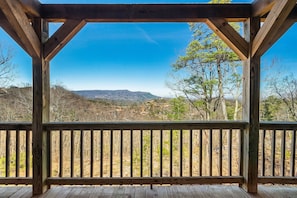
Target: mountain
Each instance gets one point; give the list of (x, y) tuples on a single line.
[(117, 95)]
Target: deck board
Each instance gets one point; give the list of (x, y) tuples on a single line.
[(175, 191)]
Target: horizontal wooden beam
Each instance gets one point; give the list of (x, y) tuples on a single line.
[(277, 180), (230, 36), (14, 13), (261, 7), (144, 12), (31, 7), (274, 20), (61, 37), (16, 180), (146, 180)]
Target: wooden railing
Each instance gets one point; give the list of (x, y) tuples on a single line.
[(15, 153), (277, 153), (148, 153)]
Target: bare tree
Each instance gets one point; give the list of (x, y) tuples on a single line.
[(286, 89), (6, 66)]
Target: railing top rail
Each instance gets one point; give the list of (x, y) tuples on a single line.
[(16, 126), (278, 125), (146, 125)]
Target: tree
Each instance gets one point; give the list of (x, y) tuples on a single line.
[(286, 89), (205, 69), (6, 67), (178, 108)]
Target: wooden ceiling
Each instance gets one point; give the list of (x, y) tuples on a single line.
[(16, 19)]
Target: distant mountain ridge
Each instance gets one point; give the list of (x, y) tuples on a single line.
[(117, 95)]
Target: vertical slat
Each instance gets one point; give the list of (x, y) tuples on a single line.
[(283, 153), (191, 153), (171, 152), (7, 162), (101, 153), (17, 153), (141, 153), (92, 154), (181, 153), (230, 151), (161, 153), (200, 152), (111, 153), (221, 153), (121, 153), (151, 154), (263, 152), (293, 153), (49, 153), (81, 153), (61, 154), (27, 153), (131, 153), (273, 153), (72, 153), (241, 156), (210, 152)]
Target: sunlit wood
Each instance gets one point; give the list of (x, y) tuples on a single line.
[(61, 37), (261, 7), (273, 22), (14, 13), (32, 7), (230, 36)]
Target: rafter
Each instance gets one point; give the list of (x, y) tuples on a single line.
[(273, 22), (32, 7), (14, 13), (230, 36), (9, 30), (261, 7), (281, 31), (144, 12), (61, 37)]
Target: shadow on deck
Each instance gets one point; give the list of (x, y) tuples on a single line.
[(179, 191)]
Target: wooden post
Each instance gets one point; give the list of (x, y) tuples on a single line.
[(251, 99), (41, 93)]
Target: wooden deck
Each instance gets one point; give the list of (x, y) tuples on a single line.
[(185, 191)]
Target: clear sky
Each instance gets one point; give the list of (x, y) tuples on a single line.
[(134, 56)]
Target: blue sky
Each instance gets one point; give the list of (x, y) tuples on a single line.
[(134, 56)]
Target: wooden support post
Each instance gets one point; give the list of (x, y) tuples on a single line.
[(251, 99), (41, 93)]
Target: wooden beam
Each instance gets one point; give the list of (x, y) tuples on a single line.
[(261, 7), (144, 12), (230, 36), (273, 22), (250, 109), (14, 13), (31, 7), (61, 37), (281, 31), (41, 95)]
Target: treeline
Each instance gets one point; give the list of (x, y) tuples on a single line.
[(65, 106)]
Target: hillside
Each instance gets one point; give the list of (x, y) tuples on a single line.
[(117, 95)]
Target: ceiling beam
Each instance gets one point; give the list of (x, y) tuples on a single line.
[(14, 13), (230, 36), (261, 7), (281, 31), (273, 22), (31, 7), (61, 37), (9, 30), (144, 12)]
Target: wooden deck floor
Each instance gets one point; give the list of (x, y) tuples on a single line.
[(186, 191)]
